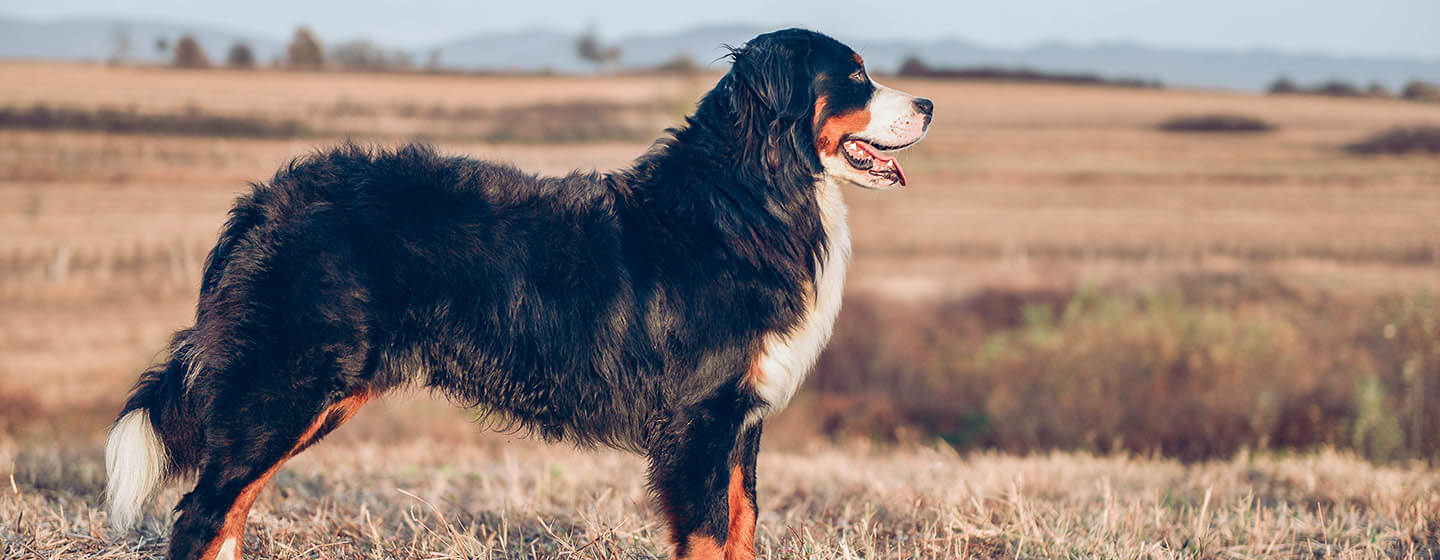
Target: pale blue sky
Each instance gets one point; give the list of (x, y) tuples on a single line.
[(1373, 27)]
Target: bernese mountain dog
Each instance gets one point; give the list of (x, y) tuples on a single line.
[(666, 308)]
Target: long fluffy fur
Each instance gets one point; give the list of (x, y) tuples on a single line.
[(633, 309), (135, 464)]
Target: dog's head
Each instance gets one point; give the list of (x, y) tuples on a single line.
[(806, 99)]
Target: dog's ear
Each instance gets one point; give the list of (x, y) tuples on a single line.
[(772, 93)]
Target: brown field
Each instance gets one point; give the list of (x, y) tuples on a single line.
[(1230, 341)]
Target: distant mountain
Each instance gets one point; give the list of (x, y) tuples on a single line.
[(554, 50), (1245, 70), (548, 49), (95, 38)]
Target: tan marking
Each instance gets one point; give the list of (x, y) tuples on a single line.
[(226, 545), (857, 58), (701, 548), (827, 140), (820, 103), (756, 374), (740, 543)]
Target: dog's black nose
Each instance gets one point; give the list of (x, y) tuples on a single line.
[(925, 106)]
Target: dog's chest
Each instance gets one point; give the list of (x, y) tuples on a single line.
[(787, 357)]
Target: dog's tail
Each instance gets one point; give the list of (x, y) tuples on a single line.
[(158, 433), (150, 441)]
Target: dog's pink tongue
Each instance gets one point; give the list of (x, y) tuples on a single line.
[(883, 162)]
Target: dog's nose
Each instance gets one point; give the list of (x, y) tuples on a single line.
[(925, 106)]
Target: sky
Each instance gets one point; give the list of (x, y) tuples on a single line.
[(1356, 28)]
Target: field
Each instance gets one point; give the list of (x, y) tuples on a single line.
[(1073, 335)]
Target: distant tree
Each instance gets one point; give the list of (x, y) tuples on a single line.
[(1417, 90), (162, 45), (304, 52), (682, 64), (432, 62), (1377, 89), (188, 53), (240, 56), (590, 49), (1283, 85), (1338, 88), (363, 54), (119, 44), (913, 66)]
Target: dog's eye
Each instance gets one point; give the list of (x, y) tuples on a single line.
[(859, 75)]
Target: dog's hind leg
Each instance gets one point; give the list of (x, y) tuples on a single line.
[(740, 540), (253, 435), (702, 469)]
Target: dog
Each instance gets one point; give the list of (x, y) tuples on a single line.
[(666, 308)]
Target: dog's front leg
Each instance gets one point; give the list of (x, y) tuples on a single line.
[(702, 469)]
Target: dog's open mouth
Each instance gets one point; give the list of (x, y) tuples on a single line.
[(870, 158)]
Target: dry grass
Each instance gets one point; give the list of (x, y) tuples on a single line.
[(437, 499), (1021, 194)]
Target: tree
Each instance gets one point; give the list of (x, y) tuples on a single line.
[(913, 66), (1283, 85), (363, 54), (304, 51), (682, 64), (590, 49), (119, 44), (1338, 88), (1417, 90), (240, 56), (188, 53)]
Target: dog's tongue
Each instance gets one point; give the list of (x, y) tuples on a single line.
[(883, 164)]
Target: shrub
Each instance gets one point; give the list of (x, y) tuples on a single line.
[(1216, 123), (1282, 85), (362, 54), (240, 57), (1404, 140), (1201, 369), (191, 122), (681, 64), (1417, 90), (304, 51), (1338, 88), (188, 54), (1334, 88), (914, 67)]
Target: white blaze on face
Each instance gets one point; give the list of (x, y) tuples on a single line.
[(894, 119)]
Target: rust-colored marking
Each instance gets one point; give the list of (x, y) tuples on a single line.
[(756, 375), (234, 526), (831, 130), (821, 102), (701, 548), (740, 543), (857, 58)]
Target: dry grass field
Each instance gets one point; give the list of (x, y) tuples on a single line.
[(1074, 335)]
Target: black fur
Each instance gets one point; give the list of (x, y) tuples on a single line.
[(620, 309)]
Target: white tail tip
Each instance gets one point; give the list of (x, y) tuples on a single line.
[(134, 465)]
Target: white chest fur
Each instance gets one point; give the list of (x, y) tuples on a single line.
[(787, 357)]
